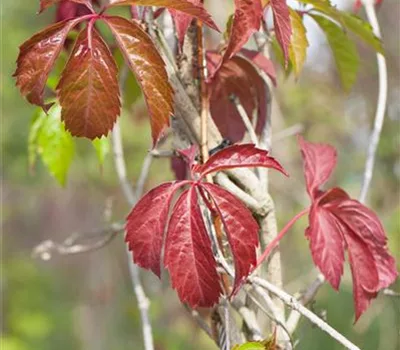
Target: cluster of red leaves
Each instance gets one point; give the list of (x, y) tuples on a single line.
[(188, 254), (336, 223), (88, 90)]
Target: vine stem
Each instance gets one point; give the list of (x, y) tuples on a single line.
[(381, 104), (295, 305), (280, 235)]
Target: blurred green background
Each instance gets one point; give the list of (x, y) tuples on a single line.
[(86, 302)]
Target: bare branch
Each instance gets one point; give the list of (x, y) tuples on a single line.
[(200, 321), (295, 305), (245, 119), (144, 173), (307, 297), (74, 244), (381, 104), (391, 293)]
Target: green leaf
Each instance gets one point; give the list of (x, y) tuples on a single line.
[(49, 139), (343, 49), (102, 147), (298, 42), (250, 346), (362, 29), (323, 6)]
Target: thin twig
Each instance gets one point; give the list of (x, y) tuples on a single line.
[(295, 305), (142, 300), (199, 320), (307, 297), (73, 244), (381, 104), (245, 119), (144, 173), (290, 131)]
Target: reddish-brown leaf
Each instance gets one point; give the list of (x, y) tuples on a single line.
[(37, 57), (189, 7), (88, 89), (238, 156), (240, 227), (282, 25), (246, 21), (188, 255), (146, 63), (44, 4), (146, 224), (319, 160), (236, 77)]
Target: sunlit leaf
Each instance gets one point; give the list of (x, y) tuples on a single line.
[(143, 59), (298, 42), (36, 59), (54, 145), (88, 89), (102, 148), (343, 49), (363, 29)]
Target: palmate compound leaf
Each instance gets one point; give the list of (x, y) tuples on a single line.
[(146, 63), (337, 222), (37, 57), (189, 7), (188, 254), (88, 89), (282, 25), (246, 21)]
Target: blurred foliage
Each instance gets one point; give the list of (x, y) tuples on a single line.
[(86, 302)]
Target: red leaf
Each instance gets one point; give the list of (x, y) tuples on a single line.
[(246, 21), (188, 7), (180, 165), (144, 60), (146, 224), (44, 4), (337, 221), (364, 223), (188, 254), (240, 227), (364, 273), (182, 21), (319, 160), (282, 25), (36, 59), (238, 156), (88, 89), (236, 77), (326, 239)]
